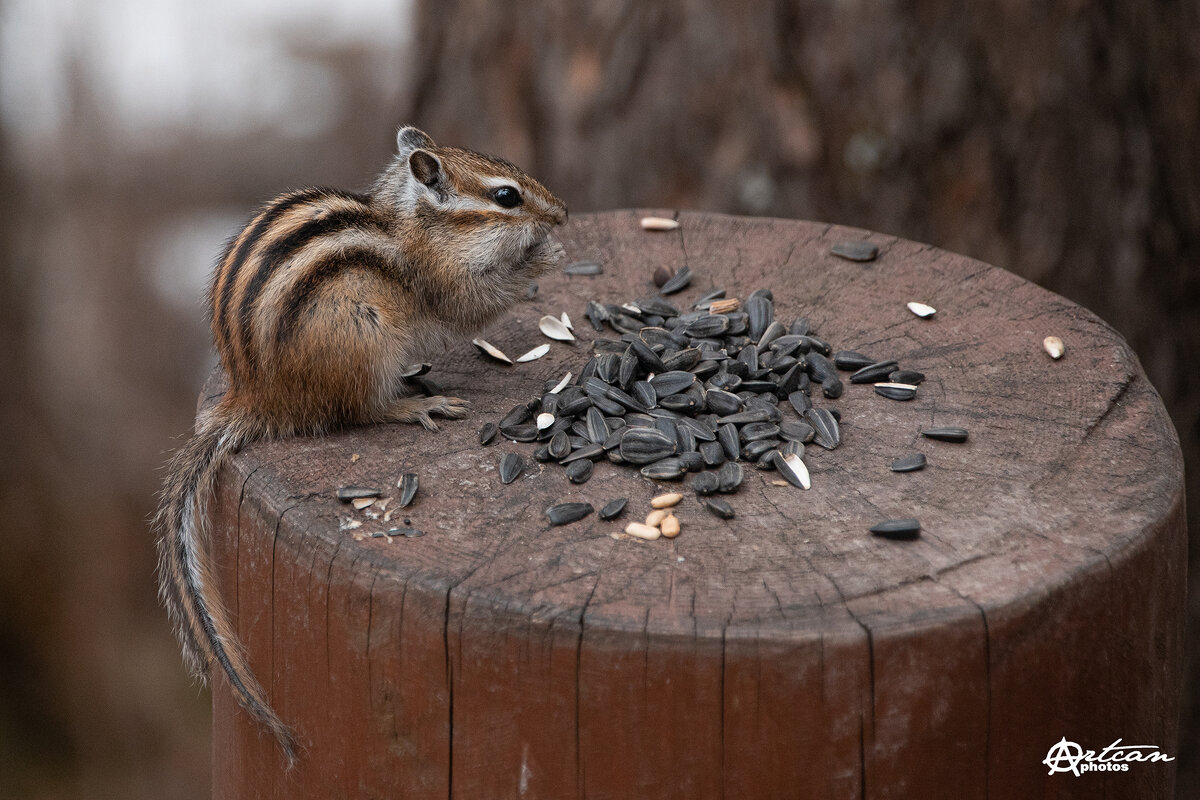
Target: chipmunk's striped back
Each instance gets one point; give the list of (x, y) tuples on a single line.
[(318, 306)]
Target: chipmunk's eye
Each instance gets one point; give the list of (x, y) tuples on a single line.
[(506, 196)]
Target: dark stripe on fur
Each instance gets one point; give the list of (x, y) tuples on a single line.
[(304, 290)]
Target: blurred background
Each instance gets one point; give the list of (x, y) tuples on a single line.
[(1060, 140)]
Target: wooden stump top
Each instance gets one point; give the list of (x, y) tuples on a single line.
[(1065, 500)]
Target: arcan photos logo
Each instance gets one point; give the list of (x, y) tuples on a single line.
[(1070, 757)]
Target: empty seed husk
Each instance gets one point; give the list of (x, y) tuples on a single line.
[(544, 421), (719, 507), (583, 268), (1054, 347), (415, 370), (873, 373), (897, 529), (360, 503), (792, 468), (350, 493), (535, 353), (857, 250), (909, 463), (896, 391), (827, 432), (491, 350), (659, 224), (511, 465), (407, 485), (946, 434), (487, 434), (555, 329), (612, 509), (679, 281), (921, 310), (566, 513)]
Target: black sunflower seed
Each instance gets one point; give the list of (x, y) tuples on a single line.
[(672, 382), (580, 471), (759, 430), (566, 513), (612, 508), (851, 360), (596, 314), (896, 391), (511, 465), (897, 529), (408, 489), (487, 434), (796, 431), (687, 358), (727, 435), (595, 426), (712, 453), (678, 281), (857, 250), (520, 433), (946, 434), (908, 376), (705, 483), (729, 477), (645, 445), (874, 373), (519, 414), (828, 434), (559, 445), (542, 454), (909, 463), (590, 451), (665, 469), (719, 507)]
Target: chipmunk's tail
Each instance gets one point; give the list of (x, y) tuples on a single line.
[(186, 581)]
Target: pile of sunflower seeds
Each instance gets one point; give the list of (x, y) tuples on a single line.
[(671, 391)]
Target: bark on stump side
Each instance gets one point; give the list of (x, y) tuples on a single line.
[(785, 653)]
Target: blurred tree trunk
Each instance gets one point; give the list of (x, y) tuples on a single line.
[(1058, 140)]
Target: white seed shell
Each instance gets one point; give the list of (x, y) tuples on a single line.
[(554, 328), (558, 387), (659, 224), (566, 321), (886, 385), (796, 465), (535, 353), (1054, 346), (921, 310), (362, 502), (544, 421), (491, 350)]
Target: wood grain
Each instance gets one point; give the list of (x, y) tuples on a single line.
[(785, 653)]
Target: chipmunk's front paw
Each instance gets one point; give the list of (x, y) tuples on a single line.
[(418, 409)]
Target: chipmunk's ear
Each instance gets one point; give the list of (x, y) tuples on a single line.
[(409, 138), (425, 167)]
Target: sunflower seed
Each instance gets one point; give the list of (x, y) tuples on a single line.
[(349, 493), (648, 532), (580, 471), (490, 349), (727, 435), (874, 372), (659, 224), (407, 485), (828, 434), (612, 508), (487, 433), (597, 428), (896, 391), (792, 468), (596, 314), (760, 313), (897, 529), (587, 451), (719, 507), (712, 453), (800, 401), (520, 433), (519, 414), (645, 445), (946, 434), (666, 469), (790, 448), (857, 250), (705, 483), (796, 431), (672, 382), (662, 275), (542, 454), (1054, 347), (555, 329), (510, 467), (559, 445), (724, 306), (755, 431), (921, 310), (566, 513), (906, 376), (678, 281), (583, 268), (535, 353), (753, 451), (566, 321), (909, 463), (729, 477), (667, 500)]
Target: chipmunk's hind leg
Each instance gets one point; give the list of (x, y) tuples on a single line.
[(418, 409)]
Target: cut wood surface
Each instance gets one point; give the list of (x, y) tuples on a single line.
[(784, 653)]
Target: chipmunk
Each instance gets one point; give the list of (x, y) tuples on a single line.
[(317, 306)]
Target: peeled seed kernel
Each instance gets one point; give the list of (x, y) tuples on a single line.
[(643, 531), (670, 526), (666, 500)]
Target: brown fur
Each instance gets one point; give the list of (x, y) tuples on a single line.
[(317, 306)]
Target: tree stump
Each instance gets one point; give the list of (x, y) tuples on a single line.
[(784, 653)]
